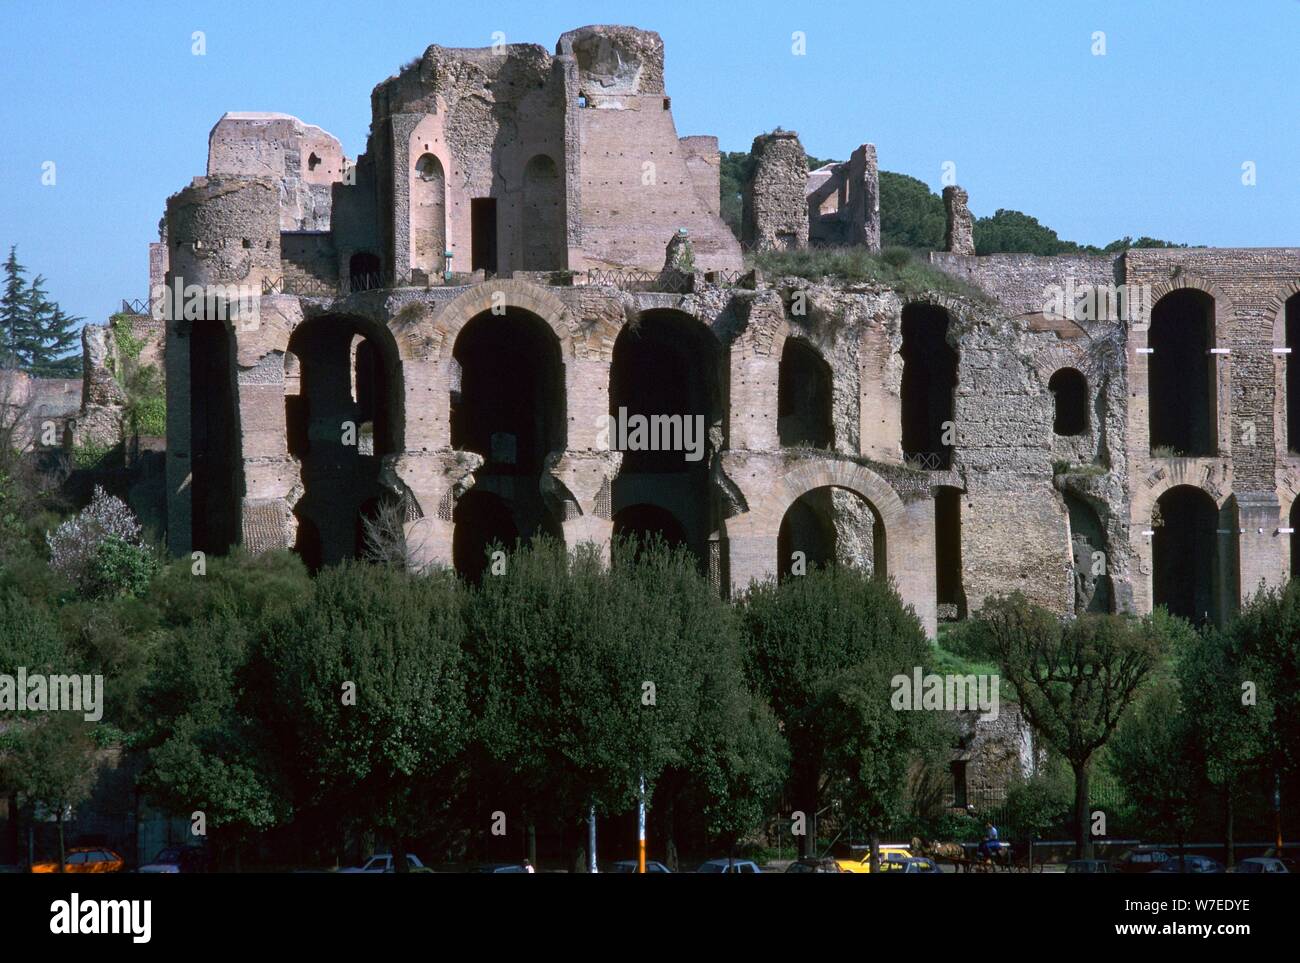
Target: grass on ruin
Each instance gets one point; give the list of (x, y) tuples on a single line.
[(897, 268)]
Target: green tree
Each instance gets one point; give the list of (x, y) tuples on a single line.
[(1074, 678), (1011, 231), (53, 766), (208, 744), (368, 697), (1265, 640), (35, 333), (822, 651), (1157, 757), (13, 311), (1218, 682), (911, 215)]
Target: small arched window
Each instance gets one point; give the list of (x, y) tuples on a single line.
[(1069, 388)]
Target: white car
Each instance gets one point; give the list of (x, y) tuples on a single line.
[(729, 866), (1261, 864), (383, 863)]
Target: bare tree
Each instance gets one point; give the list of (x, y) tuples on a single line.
[(384, 534)]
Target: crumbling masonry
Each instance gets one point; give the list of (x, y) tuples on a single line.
[(446, 322)]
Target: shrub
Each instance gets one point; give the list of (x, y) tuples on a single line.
[(74, 545), (120, 568)]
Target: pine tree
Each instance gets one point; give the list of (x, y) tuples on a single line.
[(36, 335), (13, 310)]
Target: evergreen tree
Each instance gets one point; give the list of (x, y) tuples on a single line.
[(36, 335), (13, 310)]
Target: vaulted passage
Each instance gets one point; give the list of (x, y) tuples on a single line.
[(1193, 565), (216, 469), (509, 408), (1182, 387), (543, 216), (664, 392), (929, 377), (950, 593), (830, 526), (346, 417), (1293, 374), (1069, 391), (804, 397)]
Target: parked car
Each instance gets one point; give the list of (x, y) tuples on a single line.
[(863, 864), (178, 859), (1190, 864), (1260, 864), (725, 865), (1089, 866), (383, 863), (84, 860), (912, 864), (500, 868), (814, 864), (1142, 859), (630, 866)]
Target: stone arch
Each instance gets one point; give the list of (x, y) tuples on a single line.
[(805, 394), (1194, 547), (428, 214), (500, 294), (813, 473), (1184, 397), (1070, 390), (1286, 383), (349, 439)]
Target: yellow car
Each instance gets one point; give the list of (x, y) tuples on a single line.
[(863, 865), (87, 860)]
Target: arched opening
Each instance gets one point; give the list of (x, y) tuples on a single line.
[(830, 526), (428, 215), (510, 408), (929, 378), (216, 467), (482, 519), (1193, 549), (1295, 538), (543, 216), (949, 591), (364, 272), (643, 523), (349, 416), (1090, 558), (1181, 398), (1069, 390), (803, 404), (664, 388), (1293, 373)]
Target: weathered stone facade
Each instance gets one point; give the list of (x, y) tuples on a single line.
[(961, 445), (775, 211)]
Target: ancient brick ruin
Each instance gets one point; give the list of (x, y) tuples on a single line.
[(477, 291)]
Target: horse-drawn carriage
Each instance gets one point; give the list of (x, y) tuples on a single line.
[(991, 856)]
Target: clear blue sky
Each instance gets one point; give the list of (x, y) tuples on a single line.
[(1148, 139)]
